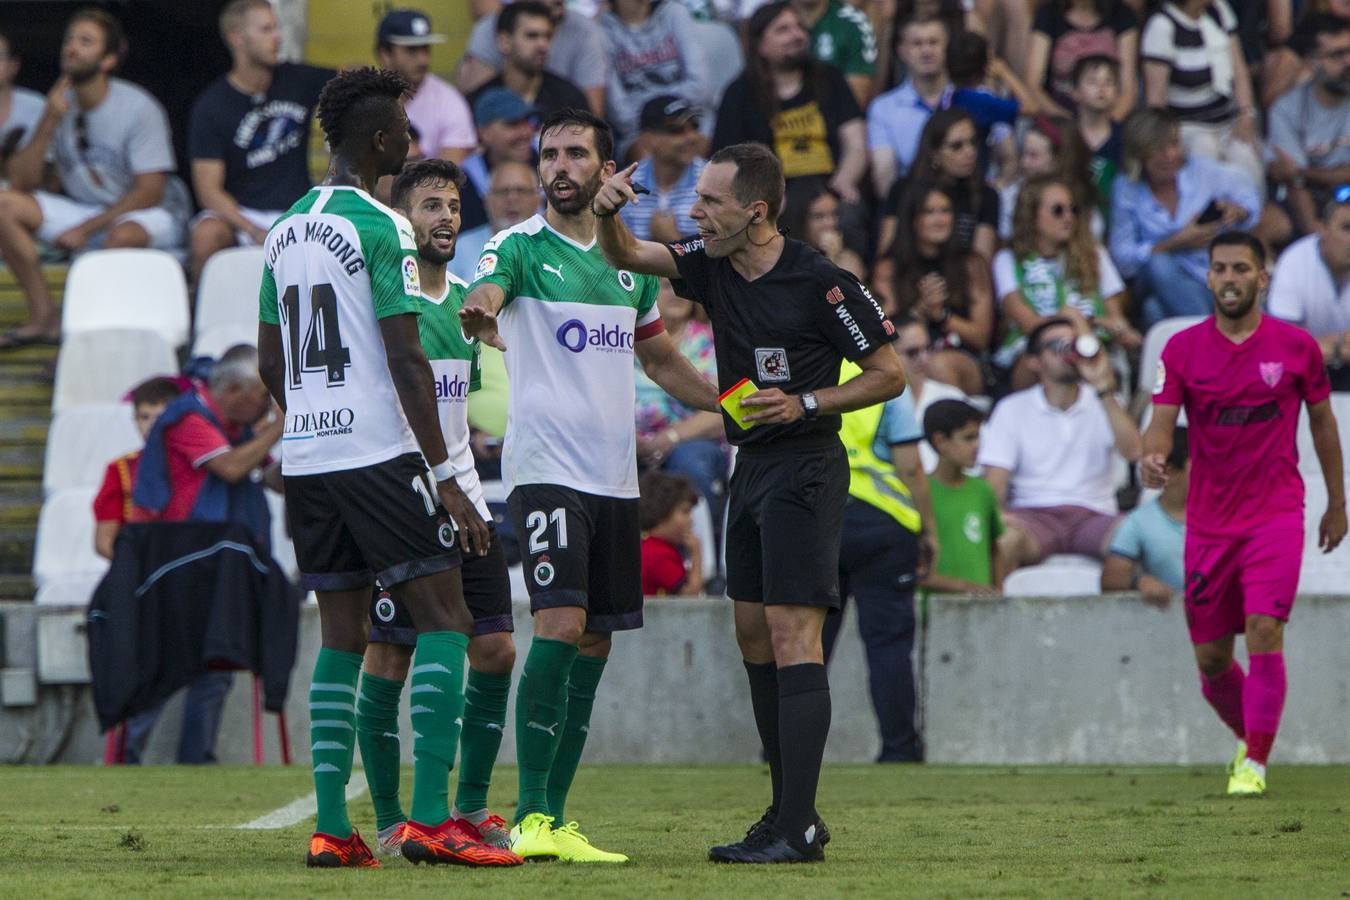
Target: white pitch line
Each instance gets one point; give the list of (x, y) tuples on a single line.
[(303, 808)]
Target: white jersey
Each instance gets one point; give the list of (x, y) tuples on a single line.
[(570, 322), (454, 363), (336, 263)]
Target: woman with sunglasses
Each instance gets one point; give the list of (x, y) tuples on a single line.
[(944, 287), (1055, 269), (1053, 146)]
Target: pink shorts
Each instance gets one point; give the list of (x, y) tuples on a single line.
[(1066, 529), (1231, 578)]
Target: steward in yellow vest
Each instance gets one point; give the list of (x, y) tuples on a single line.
[(879, 559)]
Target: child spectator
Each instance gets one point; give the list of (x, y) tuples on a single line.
[(966, 510), (1146, 553), (982, 84), (1096, 91), (672, 559), (112, 504)]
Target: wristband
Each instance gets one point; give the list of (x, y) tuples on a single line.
[(442, 472), (599, 215)]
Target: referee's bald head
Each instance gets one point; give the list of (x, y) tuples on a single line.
[(758, 178)]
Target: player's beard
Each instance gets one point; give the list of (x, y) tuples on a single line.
[(435, 255), (582, 195), (1243, 307)]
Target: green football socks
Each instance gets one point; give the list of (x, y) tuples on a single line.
[(541, 712), (581, 685), (377, 732), (481, 738), (437, 707), (332, 734)]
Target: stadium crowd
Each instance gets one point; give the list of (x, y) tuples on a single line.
[(1026, 188)]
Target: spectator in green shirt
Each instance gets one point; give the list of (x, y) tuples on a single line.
[(964, 506), (841, 35)]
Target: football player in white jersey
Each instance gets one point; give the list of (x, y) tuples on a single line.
[(340, 353), (570, 325)]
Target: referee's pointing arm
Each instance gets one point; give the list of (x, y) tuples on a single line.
[(620, 246)]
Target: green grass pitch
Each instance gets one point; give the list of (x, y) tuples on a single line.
[(923, 831)]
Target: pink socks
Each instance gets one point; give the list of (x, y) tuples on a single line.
[(1262, 703), (1224, 693)]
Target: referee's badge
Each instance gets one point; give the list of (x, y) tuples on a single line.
[(771, 364)]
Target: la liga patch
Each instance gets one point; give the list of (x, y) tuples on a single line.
[(411, 283), (487, 264)]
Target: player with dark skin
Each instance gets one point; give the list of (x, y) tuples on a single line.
[(436, 602)]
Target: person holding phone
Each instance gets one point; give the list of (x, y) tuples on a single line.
[(1165, 213)]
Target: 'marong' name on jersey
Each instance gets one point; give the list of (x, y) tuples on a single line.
[(336, 263), (323, 233)]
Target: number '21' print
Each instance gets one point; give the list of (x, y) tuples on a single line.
[(321, 349)]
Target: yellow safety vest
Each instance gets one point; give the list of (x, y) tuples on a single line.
[(872, 479)]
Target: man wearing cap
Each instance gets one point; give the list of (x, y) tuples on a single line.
[(576, 52), (506, 131), (438, 111), (524, 34), (670, 170)]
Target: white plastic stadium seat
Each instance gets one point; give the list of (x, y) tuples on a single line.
[(68, 590), (1154, 341), (494, 492), (1321, 573), (65, 538), (703, 530), (126, 289), (101, 366), (82, 441), (227, 297), (283, 551), (216, 340), (1058, 576)]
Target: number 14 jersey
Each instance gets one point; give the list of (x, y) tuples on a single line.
[(335, 264)]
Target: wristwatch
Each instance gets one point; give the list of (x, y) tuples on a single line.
[(810, 406)]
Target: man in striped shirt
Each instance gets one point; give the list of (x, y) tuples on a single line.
[(1193, 66), (671, 140)]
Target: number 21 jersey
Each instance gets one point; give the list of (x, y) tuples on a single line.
[(335, 264)]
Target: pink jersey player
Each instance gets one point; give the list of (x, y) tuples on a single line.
[(1241, 378)]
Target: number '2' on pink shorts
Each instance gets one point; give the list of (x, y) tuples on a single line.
[(1231, 578)]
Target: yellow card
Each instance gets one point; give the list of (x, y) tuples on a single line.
[(731, 402)]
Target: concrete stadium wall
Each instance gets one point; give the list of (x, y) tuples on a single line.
[(1029, 680)]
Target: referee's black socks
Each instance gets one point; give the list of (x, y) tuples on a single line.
[(803, 726), (764, 701)]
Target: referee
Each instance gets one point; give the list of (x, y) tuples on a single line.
[(784, 317)]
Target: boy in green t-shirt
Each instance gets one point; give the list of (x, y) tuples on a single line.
[(966, 510)]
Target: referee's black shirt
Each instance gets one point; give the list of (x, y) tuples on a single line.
[(788, 329)]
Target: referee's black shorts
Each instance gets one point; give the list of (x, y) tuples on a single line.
[(785, 511)]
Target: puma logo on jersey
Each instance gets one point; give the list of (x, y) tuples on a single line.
[(554, 270), (550, 730)]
